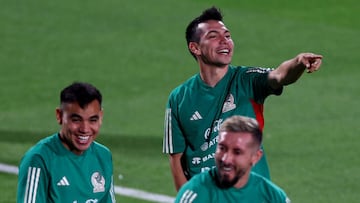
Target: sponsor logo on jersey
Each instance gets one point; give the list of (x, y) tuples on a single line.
[(208, 157), (215, 129), (63, 182), (196, 116), (199, 160), (229, 104), (98, 182), (196, 160), (204, 146)]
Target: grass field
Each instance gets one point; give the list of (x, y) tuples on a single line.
[(135, 52)]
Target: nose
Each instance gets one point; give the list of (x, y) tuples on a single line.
[(224, 39), (84, 127), (226, 158)]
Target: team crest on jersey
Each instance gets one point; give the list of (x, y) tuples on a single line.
[(229, 104), (98, 182)]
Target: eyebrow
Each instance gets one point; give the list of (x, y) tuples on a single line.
[(74, 115), (95, 116), (216, 31)]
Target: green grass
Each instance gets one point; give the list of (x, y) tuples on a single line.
[(135, 52)]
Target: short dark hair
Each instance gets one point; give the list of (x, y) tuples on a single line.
[(192, 34), (243, 124), (81, 93)]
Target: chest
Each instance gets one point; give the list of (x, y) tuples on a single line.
[(202, 112), (77, 179)]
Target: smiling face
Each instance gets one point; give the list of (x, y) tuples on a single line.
[(235, 155), (215, 47), (79, 126)]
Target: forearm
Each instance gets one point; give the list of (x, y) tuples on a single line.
[(286, 73), (291, 70), (177, 171)]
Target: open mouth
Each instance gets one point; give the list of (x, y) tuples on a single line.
[(83, 139), (223, 51), (226, 168)]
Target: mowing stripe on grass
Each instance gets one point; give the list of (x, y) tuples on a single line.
[(139, 194)]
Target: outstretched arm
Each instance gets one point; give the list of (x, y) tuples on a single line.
[(177, 171), (290, 71)]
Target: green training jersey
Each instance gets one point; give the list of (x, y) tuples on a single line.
[(195, 112), (202, 188), (49, 172)]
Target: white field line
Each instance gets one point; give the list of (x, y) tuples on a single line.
[(134, 193)]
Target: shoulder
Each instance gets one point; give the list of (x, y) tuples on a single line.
[(198, 181), (269, 189), (189, 83), (197, 189), (39, 154), (101, 148), (42, 147)]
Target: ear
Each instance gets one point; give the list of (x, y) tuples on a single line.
[(194, 48), (59, 115), (256, 156), (101, 115)]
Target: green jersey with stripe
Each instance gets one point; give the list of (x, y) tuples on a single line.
[(49, 172), (195, 112), (203, 188)]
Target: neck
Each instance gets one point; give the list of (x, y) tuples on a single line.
[(211, 75), (68, 145), (243, 180)]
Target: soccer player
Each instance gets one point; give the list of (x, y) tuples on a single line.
[(196, 108), (232, 180), (70, 166)]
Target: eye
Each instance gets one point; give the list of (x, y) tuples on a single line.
[(94, 120), (221, 148), (75, 119), (212, 36), (237, 152)]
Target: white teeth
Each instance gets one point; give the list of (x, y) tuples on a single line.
[(227, 168), (84, 137), (224, 51)]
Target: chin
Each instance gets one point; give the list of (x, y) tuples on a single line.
[(226, 182)]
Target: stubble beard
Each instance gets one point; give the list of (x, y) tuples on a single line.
[(225, 182)]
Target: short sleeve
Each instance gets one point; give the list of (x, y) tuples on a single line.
[(32, 180), (173, 141), (257, 83)]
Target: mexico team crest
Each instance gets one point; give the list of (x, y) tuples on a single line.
[(229, 104), (98, 182)]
